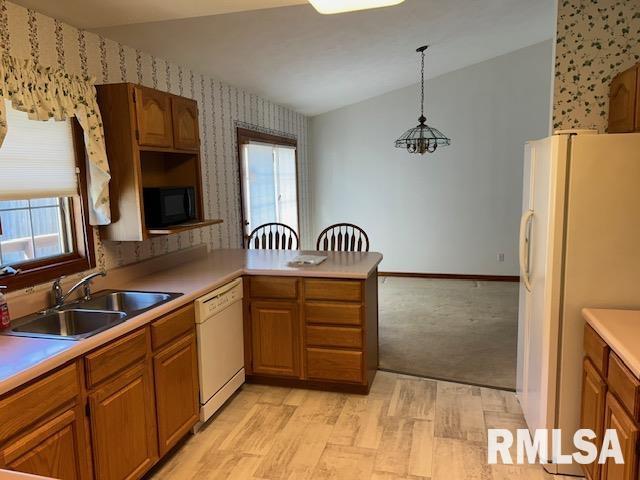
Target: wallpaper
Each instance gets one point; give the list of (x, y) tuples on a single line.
[(25, 33), (596, 39)]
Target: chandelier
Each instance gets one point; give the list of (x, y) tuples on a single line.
[(423, 138)]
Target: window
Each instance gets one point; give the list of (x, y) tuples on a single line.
[(43, 227), (269, 180)]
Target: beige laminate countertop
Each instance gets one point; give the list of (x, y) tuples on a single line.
[(621, 330), (22, 359)]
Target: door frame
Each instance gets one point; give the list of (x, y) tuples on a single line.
[(244, 136)]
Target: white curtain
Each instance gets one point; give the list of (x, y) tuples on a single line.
[(45, 93)]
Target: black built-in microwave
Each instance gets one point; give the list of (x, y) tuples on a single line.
[(166, 206)]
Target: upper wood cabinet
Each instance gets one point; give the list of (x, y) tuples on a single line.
[(152, 141), (154, 117), (624, 102), (186, 133)]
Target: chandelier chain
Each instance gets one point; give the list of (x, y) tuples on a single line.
[(422, 88)]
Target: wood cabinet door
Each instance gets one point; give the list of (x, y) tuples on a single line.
[(153, 114), (594, 390), (275, 338), (123, 425), (186, 134), (52, 450), (617, 418), (176, 381), (622, 102)]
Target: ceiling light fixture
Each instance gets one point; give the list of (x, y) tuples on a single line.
[(423, 138), (328, 7)]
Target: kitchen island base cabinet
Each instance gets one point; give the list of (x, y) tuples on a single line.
[(319, 333), (275, 338)]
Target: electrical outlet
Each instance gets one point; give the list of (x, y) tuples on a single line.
[(501, 257)]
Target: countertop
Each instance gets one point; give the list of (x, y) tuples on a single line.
[(22, 359), (621, 330)]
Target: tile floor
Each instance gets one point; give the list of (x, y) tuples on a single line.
[(406, 428)]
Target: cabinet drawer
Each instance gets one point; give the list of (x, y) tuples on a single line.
[(625, 385), (338, 365), (333, 313), (596, 349), (341, 290), (334, 336), (274, 287), (172, 326), (24, 408), (115, 357)]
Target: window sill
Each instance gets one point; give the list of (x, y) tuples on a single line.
[(35, 273)]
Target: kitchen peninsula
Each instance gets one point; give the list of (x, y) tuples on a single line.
[(312, 326)]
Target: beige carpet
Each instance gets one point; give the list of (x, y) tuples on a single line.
[(458, 330)]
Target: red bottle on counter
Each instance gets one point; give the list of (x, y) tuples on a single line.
[(5, 318)]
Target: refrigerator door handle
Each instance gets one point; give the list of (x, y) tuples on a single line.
[(524, 249)]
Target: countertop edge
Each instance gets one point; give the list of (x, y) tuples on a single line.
[(591, 317), (77, 349)]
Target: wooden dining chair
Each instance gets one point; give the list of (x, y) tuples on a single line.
[(343, 237), (273, 236)]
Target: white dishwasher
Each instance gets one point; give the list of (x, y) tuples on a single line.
[(220, 346)]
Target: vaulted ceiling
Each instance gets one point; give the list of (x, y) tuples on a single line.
[(289, 53)]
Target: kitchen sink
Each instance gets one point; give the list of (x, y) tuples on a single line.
[(85, 318), (126, 302), (72, 324)]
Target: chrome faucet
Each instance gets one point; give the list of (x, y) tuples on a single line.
[(58, 297)]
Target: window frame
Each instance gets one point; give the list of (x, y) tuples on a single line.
[(244, 136), (83, 257)]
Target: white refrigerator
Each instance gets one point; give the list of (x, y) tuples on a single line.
[(579, 247)]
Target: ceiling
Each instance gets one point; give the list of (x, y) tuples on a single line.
[(90, 14), (310, 62)]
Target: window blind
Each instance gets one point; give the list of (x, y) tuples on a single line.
[(37, 159)]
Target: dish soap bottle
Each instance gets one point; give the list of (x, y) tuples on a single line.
[(5, 318)]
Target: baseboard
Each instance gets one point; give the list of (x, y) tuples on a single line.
[(453, 276)]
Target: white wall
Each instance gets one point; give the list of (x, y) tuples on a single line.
[(448, 212)]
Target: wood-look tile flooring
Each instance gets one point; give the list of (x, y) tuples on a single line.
[(406, 428)]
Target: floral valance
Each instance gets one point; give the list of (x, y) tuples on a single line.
[(45, 93)]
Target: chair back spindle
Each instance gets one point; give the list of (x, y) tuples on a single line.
[(343, 237), (273, 236)]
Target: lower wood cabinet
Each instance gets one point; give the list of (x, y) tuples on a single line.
[(123, 425), (610, 400), (617, 418), (111, 414), (176, 385), (54, 449), (594, 391), (275, 338), (317, 332)]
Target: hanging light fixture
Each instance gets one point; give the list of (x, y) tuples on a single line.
[(423, 138), (329, 7)]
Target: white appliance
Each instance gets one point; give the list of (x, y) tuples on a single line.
[(579, 247), (220, 346)]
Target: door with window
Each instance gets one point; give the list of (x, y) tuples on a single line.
[(269, 178)]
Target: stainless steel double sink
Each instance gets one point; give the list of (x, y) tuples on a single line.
[(85, 318)]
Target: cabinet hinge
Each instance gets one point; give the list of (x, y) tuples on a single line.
[(138, 135), (87, 409), (133, 94)]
